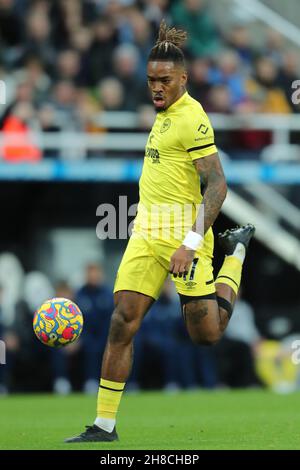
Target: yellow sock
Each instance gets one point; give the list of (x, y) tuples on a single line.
[(231, 273), (109, 397)]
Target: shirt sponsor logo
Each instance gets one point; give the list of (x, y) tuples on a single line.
[(203, 129), (153, 154)]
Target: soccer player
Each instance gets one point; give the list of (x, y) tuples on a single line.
[(172, 231)]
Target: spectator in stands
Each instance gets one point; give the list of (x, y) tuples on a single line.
[(192, 15), (111, 94), (18, 143), (95, 300), (11, 36), (239, 40), (199, 81), (228, 72), (11, 281), (37, 78), (48, 123), (101, 50), (155, 11), (146, 117), (88, 108), (23, 93), (274, 47), (38, 36), (81, 40), (264, 88), (64, 101), (126, 64), (30, 356), (141, 38), (69, 15), (219, 100), (69, 67)]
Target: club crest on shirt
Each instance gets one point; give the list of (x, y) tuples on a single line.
[(165, 125)]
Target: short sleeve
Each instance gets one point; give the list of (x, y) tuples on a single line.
[(197, 136)]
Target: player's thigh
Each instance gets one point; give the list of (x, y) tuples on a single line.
[(140, 271), (202, 319), (132, 305), (197, 293)]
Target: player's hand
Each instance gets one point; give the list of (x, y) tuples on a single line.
[(181, 261)]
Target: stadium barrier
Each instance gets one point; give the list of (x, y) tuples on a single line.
[(118, 170)]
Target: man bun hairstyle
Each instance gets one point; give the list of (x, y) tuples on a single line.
[(169, 45)]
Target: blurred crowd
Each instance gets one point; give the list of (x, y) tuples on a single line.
[(164, 358), (65, 61)]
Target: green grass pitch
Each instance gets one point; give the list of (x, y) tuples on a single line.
[(196, 420)]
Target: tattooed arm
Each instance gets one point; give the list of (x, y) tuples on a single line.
[(214, 193), (214, 189)]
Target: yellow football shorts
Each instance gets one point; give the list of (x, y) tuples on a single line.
[(145, 266)]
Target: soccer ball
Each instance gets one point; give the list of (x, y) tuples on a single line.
[(58, 322)]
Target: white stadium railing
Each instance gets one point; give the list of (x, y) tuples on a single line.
[(132, 139)]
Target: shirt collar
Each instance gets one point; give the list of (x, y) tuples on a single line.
[(178, 102)]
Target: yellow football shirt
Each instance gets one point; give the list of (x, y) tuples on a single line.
[(170, 185)]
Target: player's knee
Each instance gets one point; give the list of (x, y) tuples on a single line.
[(124, 323)]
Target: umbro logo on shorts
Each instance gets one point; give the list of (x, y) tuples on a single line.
[(190, 284)]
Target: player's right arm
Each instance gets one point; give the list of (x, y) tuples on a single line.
[(197, 137)]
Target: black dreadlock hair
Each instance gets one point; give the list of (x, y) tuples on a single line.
[(168, 45)]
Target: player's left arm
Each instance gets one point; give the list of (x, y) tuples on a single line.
[(214, 190), (197, 138)]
